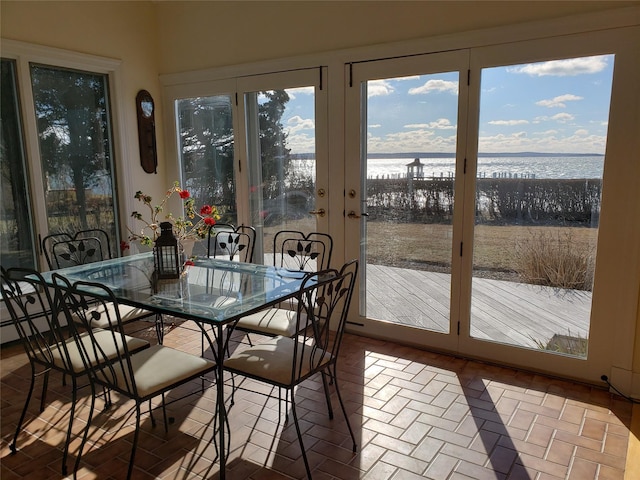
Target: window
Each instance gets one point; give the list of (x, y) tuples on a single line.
[(57, 149), (16, 227), (74, 139)]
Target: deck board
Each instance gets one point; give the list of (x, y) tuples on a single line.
[(507, 312)]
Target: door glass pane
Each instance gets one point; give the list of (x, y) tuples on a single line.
[(409, 170), (16, 228), (205, 133), (282, 159), (543, 131), (74, 134)]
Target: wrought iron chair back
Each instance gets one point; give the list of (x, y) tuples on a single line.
[(49, 242), (233, 243), (297, 250), (80, 251)]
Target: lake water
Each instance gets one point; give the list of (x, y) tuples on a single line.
[(509, 167)]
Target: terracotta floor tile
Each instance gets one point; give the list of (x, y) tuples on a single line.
[(415, 414)]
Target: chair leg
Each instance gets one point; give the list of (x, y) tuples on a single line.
[(45, 385), (153, 420), (326, 393), (344, 411), (72, 412), (13, 447), (295, 421), (164, 416), (85, 434), (135, 442)]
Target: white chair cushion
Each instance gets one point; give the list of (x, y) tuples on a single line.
[(273, 360), (107, 340), (127, 314), (159, 367), (273, 322)]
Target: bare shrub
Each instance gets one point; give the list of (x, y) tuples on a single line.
[(555, 260)]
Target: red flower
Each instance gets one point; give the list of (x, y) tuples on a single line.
[(184, 194), (206, 210), (210, 221), (123, 246), (189, 263)]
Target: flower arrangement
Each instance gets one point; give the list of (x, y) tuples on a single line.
[(183, 226)]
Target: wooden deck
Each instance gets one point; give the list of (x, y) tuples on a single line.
[(506, 312)]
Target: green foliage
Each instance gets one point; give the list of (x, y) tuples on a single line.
[(206, 137), (500, 201), (73, 126)]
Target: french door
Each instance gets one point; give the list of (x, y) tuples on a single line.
[(282, 132), (403, 206), (256, 147), (475, 181)]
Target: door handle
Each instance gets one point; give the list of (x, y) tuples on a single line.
[(353, 214), (320, 212)]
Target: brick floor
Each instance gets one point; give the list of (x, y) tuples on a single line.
[(416, 414)]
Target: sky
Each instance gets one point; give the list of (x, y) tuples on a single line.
[(559, 106)]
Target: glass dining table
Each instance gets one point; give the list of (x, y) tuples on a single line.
[(213, 293)]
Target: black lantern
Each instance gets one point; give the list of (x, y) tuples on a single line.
[(165, 253)]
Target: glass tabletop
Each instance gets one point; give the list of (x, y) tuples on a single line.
[(212, 290)]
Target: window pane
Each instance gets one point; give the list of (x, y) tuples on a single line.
[(410, 195), (16, 229), (72, 112), (205, 130), (543, 132), (282, 162)]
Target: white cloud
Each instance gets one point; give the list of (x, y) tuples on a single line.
[(546, 132), (435, 86), (581, 132), (563, 117), (558, 102), (302, 143), (298, 139), (558, 117), (441, 124), (411, 141), (563, 68), (375, 125), (297, 123), (300, 91), (548, 143), (377, 88), (508, 122)]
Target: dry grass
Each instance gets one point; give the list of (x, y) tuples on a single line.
[(499, 251), (555, 259)]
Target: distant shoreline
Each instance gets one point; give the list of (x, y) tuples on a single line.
[(311, 156)]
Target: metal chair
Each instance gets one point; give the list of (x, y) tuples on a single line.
[(50, 240), (85, 249), (34, 311), (286, 362), (227, 241), (47, 246), (139, 376), (296, 251), (235, 243), (69, 253)]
